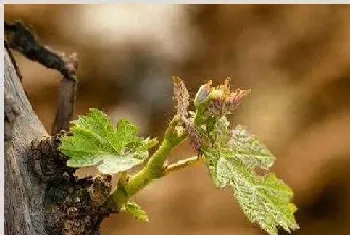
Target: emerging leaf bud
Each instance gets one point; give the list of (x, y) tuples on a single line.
[(202, 95), (181, 96), (223, 101), (234, 100)]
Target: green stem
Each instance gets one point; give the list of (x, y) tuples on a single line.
[(154, 169)]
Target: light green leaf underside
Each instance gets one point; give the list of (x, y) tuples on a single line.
[(264, 199), (122, 163), (136, 211), (239, 144), (108, 163), (95, 141), (232, 160)]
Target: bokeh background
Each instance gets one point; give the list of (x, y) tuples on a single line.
[(295, 58)]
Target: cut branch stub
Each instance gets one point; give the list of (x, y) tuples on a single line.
[(23, 39), (67, 93)]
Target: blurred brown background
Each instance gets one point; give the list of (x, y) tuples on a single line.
[(295, 58)]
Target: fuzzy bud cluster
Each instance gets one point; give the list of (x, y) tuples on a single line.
[(219, 101)]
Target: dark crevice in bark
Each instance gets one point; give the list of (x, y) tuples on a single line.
[(18, 72)]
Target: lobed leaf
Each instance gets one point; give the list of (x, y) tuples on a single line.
[(232, 159), (95, 141), (263, 199)]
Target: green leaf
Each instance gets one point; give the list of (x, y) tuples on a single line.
[(264, 199), (212, 164), (136, 211), (220, 134), (232, 156), (249, 149), (239, 144), (95, 141)]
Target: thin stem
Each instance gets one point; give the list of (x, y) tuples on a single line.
[(154, 168), (181, 164)]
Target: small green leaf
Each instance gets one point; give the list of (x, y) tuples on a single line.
[(95, 141), (136, 211), (202, 95)]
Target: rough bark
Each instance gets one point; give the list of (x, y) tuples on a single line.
[(40, 192), (24, 193)]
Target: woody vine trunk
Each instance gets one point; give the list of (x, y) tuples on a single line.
[(24, 193), (31, 203)]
